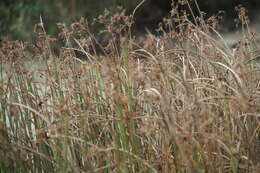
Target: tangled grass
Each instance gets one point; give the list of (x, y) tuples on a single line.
[(183, 101)]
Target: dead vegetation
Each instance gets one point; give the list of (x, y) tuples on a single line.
[(182, 101)]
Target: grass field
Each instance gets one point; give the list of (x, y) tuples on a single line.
[(181, 101)]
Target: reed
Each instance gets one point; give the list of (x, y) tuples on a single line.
[(182, 101)]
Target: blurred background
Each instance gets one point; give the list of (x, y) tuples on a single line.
[(18, 17)]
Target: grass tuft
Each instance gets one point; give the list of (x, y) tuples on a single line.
[(179, 101)]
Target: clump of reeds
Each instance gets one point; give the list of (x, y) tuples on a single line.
[(182, 101)]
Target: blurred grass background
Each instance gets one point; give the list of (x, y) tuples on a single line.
[(17, 18)]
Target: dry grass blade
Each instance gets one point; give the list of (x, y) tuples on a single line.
[(32, 110)]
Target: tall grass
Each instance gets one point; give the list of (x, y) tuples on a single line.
[(183, 101)]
